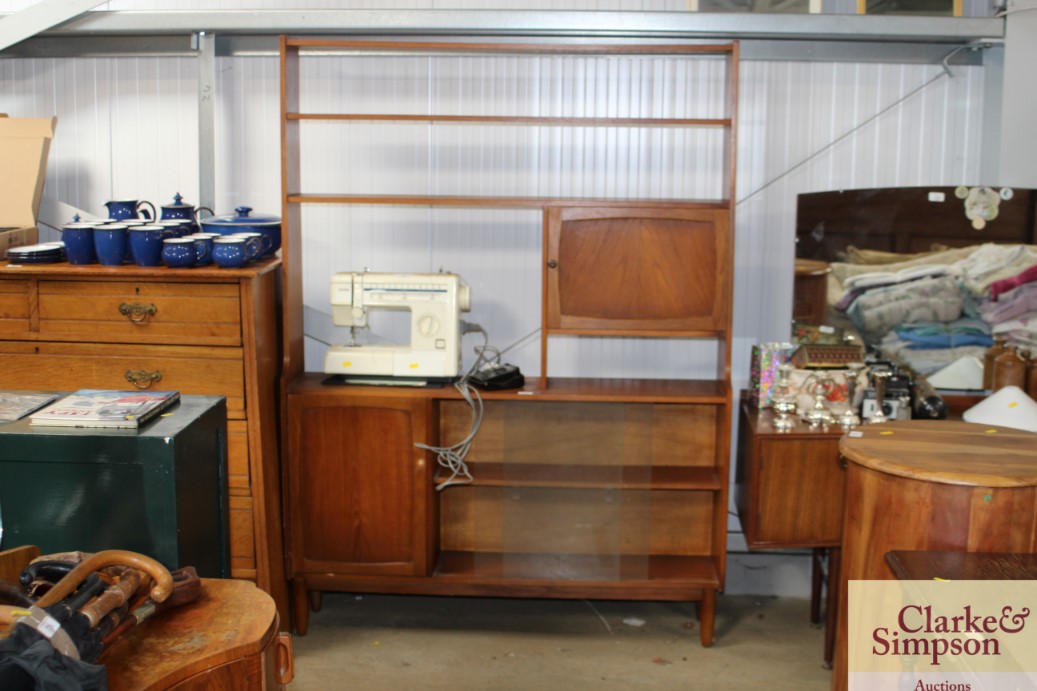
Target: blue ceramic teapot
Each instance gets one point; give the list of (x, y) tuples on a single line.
[(179, 210)]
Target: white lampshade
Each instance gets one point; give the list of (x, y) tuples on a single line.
[(1006, 407), (965, 374)]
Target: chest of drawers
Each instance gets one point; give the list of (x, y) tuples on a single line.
[(205, 331)]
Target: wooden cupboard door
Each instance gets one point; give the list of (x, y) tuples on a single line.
[(800, 492), (638, 271), (358, 488)]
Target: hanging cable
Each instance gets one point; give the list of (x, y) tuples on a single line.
[(856, 128)]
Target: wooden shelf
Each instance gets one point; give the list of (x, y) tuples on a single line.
[(489, 48), (590, 476), (532, 120), (64, 270), (494, 202), (588, 572), (690, 391)]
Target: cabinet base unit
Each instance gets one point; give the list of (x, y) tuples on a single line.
[(607, 489)]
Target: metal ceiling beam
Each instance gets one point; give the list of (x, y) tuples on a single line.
[(563, 24), (45, 14)]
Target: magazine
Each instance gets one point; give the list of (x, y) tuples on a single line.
[(14, 405), (105, 408)]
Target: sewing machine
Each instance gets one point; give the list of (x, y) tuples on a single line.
[(435, 301)]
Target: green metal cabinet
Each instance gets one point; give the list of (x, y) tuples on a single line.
[(159, 491)]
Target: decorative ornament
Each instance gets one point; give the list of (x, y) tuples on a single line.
[(981, 203)]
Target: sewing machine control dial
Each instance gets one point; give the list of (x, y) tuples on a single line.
[(428, 325)]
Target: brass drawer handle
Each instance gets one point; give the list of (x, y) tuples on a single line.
[(143, 379), (137, 312)]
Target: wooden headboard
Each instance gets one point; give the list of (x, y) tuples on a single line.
[(907, 220)]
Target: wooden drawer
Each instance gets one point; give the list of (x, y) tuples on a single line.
[(14, 307), (68, 366), (140, 312)]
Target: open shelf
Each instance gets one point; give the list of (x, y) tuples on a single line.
[(493, 202), (533, 120), (651, 574), (590, 476)]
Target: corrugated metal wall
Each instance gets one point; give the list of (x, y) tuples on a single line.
[(128, 129)]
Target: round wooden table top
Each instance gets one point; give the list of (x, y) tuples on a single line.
[(946, 451)]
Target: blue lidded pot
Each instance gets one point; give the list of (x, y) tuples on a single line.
[(244, 222)]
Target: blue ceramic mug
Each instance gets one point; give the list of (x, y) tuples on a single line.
[(175, 227), (230, 252), (203, 247), (146, 244), (110, 243), (178, 253), (255, 243), (79, 243)]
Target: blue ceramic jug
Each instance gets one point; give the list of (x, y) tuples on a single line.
[(121, 209)]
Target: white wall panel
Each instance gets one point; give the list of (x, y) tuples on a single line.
[(128, 128)]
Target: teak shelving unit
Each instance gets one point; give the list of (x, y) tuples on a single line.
[(584, 488)]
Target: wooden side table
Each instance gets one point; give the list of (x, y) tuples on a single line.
[(932, 485), (227, 640), (789, 494)]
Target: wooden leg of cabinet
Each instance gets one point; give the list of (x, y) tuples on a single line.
[(316, 600), (300, 606), (817, 571), (707, 617), (832, 603)]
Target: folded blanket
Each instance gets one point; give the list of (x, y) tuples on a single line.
[(960, 332), (991, 263), (928, 361), (877, 312), (1010, 305), (1027, 277)]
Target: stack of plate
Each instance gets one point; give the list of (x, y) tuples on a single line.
[(43, 253)]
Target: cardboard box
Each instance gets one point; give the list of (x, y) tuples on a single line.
[(24, 147)]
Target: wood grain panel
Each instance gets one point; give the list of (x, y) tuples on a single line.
[(636, 271), (575, 521), (14, 306), (586, 433), (242, 538), (358, 488), (800, 499), (238, 476)]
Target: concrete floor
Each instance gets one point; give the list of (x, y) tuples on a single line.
[(376, 642)]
